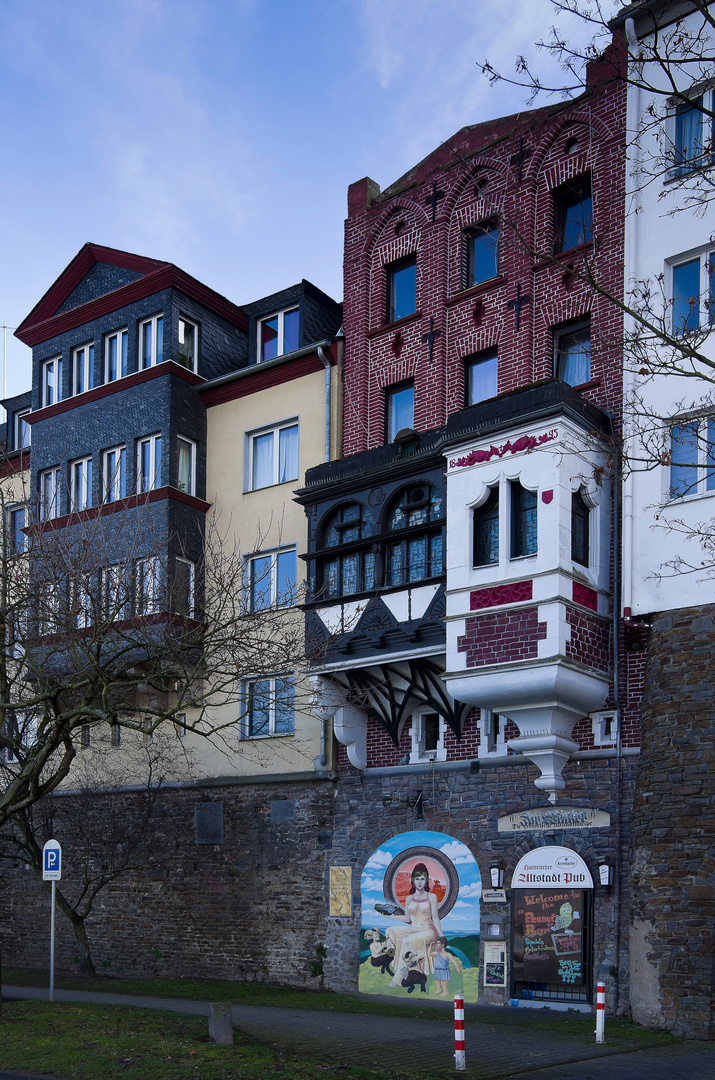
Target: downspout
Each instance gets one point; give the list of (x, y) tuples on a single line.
[(328, 409)]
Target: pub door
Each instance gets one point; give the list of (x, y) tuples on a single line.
[(552, 944)]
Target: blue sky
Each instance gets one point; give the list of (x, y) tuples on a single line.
[(222, 134)]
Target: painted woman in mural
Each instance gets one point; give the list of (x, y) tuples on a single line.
[(423, 925)]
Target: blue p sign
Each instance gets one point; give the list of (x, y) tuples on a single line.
[(51, 861)]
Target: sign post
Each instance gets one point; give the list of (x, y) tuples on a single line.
[(52, 871), (459, 1056)]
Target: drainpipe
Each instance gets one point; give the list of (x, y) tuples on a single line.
[(328, 410)]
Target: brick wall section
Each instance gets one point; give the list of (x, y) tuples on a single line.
[(673, 849), (466, 806), (501, 637), (251, 908), (590, 639)]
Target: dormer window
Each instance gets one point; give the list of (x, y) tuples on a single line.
[(22, 430), (278, 334)]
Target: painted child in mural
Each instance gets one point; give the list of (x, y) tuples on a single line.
[(442, 960), (423, 926), (411, 974), (381, 952)]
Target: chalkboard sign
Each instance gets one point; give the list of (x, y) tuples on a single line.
[(548, 936)]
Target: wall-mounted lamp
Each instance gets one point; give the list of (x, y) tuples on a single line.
[(496, 875), (605, 873)]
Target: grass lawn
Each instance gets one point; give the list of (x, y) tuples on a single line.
[(97, 1042)]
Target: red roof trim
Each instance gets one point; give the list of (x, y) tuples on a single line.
[(158, 495), (42, 322), (169, 367), (261, 378)]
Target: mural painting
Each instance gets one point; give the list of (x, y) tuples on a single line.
[(420, 918)]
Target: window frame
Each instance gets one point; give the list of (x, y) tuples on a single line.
[(190, 611), (471, 363), (492, 732), (113, 584), (561, 334), (406, 536), (121, 337), (83, 367), (518, 534), (20, 426), (472, 234), (703, 467), (418, 731), (489, 510), (275, 431), (700, 101), (48, 507), (564, 198), (706, 295), (146, 600), (156, 350), (582, 557), (280, 338), (182, 323), (247, 698), (51, 385), (391, 271), (80, 484), (114, 484), (155, 469), (191, 488), (14, 531), (391, 393), (271, 575)]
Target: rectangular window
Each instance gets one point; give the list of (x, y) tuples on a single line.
[(486, 530), (82, 612), (580, 528), (573, 214), (81, 484), (146, 586), (49, 493), (186, 465), (481, 378), (427, 738), (151, 341), (49, 607), (401, 289), (482, 252), (278, 334), (269, 707), (115, 593), (692, 458), (523, 521), (115, 355), (82, 369), (492, 734), (273, 456), (188, 344), (572, 347), (399, 409), (114, 474), (22, 430), (272, 579), (693, 294), (180, 725), (52, 381), (149, 463), (16, 524), (184, 598), (690, 132)]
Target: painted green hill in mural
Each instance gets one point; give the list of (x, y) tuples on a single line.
[(469, 945)]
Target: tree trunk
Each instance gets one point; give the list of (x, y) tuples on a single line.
[(86, 964)]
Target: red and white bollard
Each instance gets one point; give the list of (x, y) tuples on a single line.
[(600, 1011), (459, 1059)]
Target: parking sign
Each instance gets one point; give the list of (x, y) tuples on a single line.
[(52, 861)]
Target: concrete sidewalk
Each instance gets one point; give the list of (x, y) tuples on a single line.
[(500, 1043)]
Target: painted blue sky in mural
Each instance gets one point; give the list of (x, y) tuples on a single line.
[(464, 916)]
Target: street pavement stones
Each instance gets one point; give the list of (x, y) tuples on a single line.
[(499, 1043)]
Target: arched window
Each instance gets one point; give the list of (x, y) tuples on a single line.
[(414, 547)]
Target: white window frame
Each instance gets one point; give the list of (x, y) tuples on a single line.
[(114, 478), (492, 734), (154, 472), (180, 725), (605, 727), (705, 159), (80, 484), (191, 489), (21, 426), (274, 596), (153, 323), (703, 467), (122, 360), (706, 297), (246, 697), (82, 608), (115, 596), (82, 364), (15, 547), (418, 733), (280, 330), (183, 323), (51, 381), (49, 493), (146, 586), (26, 734), (274, 430), (189, 614), (49, 614)]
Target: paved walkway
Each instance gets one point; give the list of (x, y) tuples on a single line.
[(500, 1043)]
